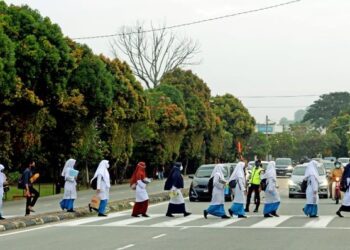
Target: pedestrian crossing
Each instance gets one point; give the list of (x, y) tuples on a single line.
[(197, 221)]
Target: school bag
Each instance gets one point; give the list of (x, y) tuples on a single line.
[(211, 185), (233, 183), (343, 185), (93, 183), (263, 184), (303, 186)]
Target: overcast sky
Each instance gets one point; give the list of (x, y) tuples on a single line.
[(297, 49)]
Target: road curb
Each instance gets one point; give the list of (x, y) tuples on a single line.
[(41, 219)]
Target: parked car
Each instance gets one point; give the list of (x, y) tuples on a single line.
[(284, 166), (330, 158), (298, 176), (199, 185), (344, 160)]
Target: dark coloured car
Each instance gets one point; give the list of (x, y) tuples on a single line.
[(199, 185), (284, 166)]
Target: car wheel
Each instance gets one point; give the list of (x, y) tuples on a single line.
[(192, 199)]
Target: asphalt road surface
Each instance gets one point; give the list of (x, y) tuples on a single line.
[(292, 230)]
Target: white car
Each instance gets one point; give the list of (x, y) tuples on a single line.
[(344, 161)]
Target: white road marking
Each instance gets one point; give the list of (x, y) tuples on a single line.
[(89, 220), (158, 236), (177, 221), (125, 247), (270, 222), (25, 231), (224, 223), (319, 222), (132, 220)]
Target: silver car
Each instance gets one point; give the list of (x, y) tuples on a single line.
[(297, 177)]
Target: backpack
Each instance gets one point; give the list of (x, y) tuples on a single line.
[(303, 186), (20, 182), (263, 184), (343, 185), (93, 183), (211, 185), (233, 183)]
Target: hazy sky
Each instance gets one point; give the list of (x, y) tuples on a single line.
[(298, 49)]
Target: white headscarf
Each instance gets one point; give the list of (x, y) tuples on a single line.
[(2, 176), (103, 171), (238, 172), (311, 169), (67, 166), (270, 170), (219, 168)]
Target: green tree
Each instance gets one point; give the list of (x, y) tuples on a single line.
[(282, 144), (341, 126), (256, 145)]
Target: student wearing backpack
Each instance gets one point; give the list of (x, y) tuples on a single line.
[(346, 200), (240, 192), (312, 199), (140, 180), (103, 186), (2, 182), (30, 192), (216, 207), (272, 198), (70, 191)]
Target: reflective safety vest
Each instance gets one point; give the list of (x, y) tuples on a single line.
[(255, 177)]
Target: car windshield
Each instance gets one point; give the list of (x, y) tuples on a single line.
[(205, 172), (344, 160), (328, 165), (301, 171), (283, 162)]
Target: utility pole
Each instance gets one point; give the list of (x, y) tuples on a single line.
[(267, 137)]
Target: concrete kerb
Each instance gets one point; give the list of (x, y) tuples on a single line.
[(40, 219)]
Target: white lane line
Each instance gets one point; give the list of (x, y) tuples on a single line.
[(132, 220), (158, 236), (25, 231), (125, 247), (319, 222), (223, 223), (270, 222), (177, 221), (88, 220)]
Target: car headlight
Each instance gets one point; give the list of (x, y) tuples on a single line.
[(194, 184), (324, 183), (290, 168)]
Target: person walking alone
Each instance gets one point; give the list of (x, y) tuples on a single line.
[(70, 191), (346, 200), (103, 186), (30, 192), (312, 199), (139, 181), (2, 182), (272, 198)]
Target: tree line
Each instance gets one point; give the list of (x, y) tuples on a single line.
[(59, 100)]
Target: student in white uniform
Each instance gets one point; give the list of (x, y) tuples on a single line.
[(272, 198), (103, 186), (70, 191), (345, 207), (239, 192), (140, 181), (2, 182), (216, 207), (312, 200)]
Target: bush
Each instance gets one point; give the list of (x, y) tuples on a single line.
[(13, 177)]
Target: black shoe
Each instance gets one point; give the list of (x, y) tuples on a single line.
[(242, 216), (313, 216), (255, 210), (145, 215), (268, 215), (169, 215), (71, 211), (230, 212), (225, 217), (339, 214), (275, 214), (135, 215), (246, 210), (205, 213), (90, 208), (2, 218), (187, 214), (103, 215)]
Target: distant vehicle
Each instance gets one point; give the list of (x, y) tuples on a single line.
[(199, 185), (328, 166), (284, 166), (298, 176), (344, 160), (330, 158)]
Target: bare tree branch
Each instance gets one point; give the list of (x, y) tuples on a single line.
[(153, 55)]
